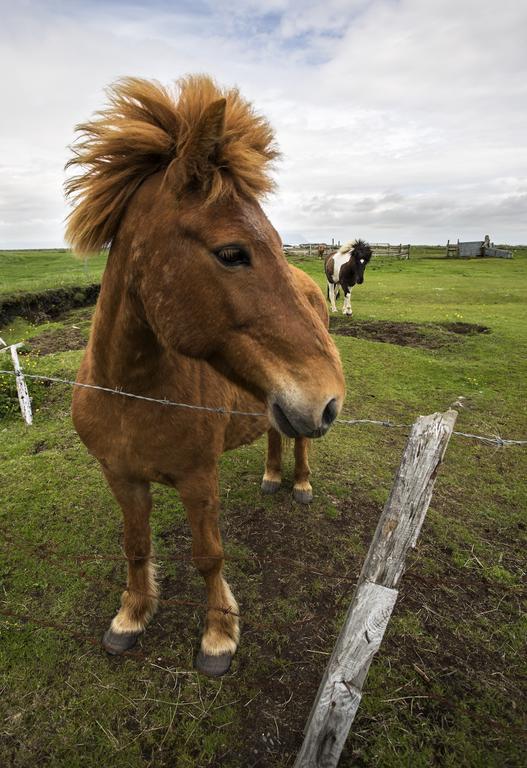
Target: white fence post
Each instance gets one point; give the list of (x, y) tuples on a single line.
[(21, 388), (340, 691)]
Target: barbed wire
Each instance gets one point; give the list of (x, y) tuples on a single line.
[(489, 439), (95, 557), (63, 628), (52, 559), (222, 411), (211, 409), (107, 584)]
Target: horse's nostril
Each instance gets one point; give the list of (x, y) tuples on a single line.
[(330, 413)]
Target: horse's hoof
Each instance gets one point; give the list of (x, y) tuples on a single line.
[(302, 497), (270, 486), (119, 642), (213, 666)]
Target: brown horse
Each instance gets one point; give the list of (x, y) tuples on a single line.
[(197, 305)]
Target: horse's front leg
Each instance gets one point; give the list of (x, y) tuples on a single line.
[(331, 292), (139, 600), (346, 309), (199, 494), (302, 490), (272, 478)]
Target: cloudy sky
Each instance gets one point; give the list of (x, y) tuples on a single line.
[(399, 120)]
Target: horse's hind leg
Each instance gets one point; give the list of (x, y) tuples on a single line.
[(139, 600), (273, 466), (199, 494), (302, 490)]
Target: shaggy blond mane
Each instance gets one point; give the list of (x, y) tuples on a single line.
[(147, 128), (346, 248)]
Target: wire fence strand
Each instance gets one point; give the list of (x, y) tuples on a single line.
[(222, 411), (41, 552), (48, 549), (211, 409)]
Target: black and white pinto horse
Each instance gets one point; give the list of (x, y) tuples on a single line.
[(346, 268)]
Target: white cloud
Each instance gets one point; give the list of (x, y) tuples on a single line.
[(398, 121)]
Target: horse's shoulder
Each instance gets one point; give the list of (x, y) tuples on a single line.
[(311, 291), (340, 259), (302, 279)]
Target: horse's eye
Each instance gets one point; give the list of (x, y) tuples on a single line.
[(233, 256)]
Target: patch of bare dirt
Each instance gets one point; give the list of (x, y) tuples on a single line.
[(59, 340), (423, 335), (465, 329), (303, 585), (39, 307), (40, 445)]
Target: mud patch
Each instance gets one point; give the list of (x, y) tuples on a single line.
[(39, 307), (300, 595), (39, 446), (59, 340), (465, 329), (423, 335)]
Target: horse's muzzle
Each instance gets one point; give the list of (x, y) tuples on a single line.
[(293, 423)]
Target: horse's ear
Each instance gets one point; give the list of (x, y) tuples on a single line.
[(199, 155)]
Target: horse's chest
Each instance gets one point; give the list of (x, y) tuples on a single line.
[(243, 431), (339, 262)]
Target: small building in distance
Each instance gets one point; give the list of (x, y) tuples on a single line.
[(474, 249)]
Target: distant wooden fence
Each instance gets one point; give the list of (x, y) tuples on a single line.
[(321, 250), (475, 249), (385, 249)]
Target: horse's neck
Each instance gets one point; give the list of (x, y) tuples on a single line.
[(123, 348)]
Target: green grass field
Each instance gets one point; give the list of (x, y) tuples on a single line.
[(30, 271), (448, 687)]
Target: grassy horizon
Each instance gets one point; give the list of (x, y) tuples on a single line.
[(31, 271)]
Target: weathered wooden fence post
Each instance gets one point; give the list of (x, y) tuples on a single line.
[(21, 388), (340, 691)]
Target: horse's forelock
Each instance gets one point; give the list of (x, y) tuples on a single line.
[(145, 129), (362, 250)]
